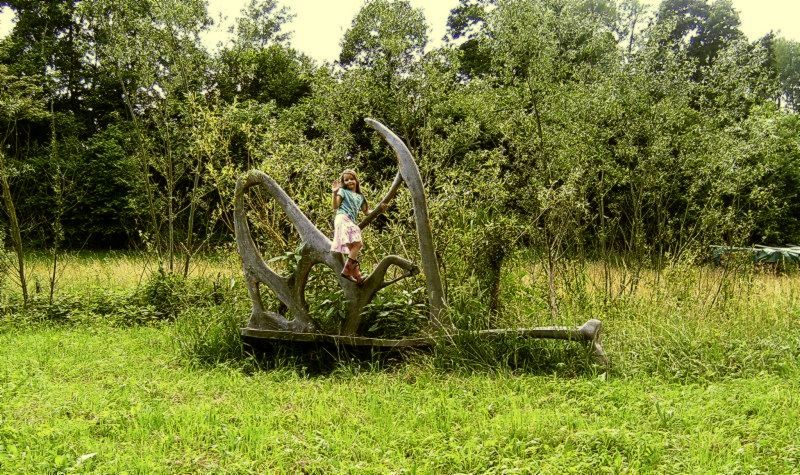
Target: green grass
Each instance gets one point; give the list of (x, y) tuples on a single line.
[(122, 395), (131, 372)]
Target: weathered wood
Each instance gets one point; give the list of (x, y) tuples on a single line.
[(383, 203), (430, 265), (315, 249), (589, 333), (347, 340), (256, 271)]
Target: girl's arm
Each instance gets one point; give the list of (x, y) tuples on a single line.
[(365, 208), (337, 200)]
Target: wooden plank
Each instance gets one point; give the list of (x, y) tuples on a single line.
[(281, 335), (588, 333), (564, 333)]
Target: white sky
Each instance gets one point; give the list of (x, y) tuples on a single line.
[(320, 24)]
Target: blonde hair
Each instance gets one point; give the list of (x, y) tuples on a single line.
[(348, 171)]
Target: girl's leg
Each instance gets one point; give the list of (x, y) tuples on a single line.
[(355, 249), (352, 269)]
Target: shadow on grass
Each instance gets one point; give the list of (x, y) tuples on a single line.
[(465, 353), (323, 358)]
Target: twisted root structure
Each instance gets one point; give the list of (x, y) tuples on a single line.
[(315, 249)]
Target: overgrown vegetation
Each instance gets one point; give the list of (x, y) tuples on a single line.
[(568, 132), (567, 127), (685, 323), (579, 157)]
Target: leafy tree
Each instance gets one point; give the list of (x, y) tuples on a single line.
[(260, 24), (741, 78), (45, 42), (787, 58), (466, 27), (259, 64), (701, 28), (21, 99), (629, 23), (108, 212), (524, 145), (158, 69), (379, 78), (387, 36)]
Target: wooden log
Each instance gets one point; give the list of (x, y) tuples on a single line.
[(346, 340), (588, 333)]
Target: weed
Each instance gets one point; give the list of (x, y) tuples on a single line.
[(166, 293), (210, 335), (396, 314)]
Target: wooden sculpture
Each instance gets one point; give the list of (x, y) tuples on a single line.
[(315, 249)]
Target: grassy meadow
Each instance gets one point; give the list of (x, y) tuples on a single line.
[(128, 372)]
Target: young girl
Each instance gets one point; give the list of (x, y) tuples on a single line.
[(347, 201)]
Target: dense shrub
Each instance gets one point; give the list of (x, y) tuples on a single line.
[(210, 335)]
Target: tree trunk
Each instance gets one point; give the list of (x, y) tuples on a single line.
[(170, 205), (190, 225), (551, 275), (53, 274), (16, 237)]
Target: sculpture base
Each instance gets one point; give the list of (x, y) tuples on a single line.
[(281, 335), (588, 333)]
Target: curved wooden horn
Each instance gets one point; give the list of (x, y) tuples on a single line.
[(398, 180), (256, 270), (430, 265)]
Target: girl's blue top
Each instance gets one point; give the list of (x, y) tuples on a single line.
[(351, 203)]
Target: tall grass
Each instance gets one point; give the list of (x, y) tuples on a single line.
[(684, 322), (112, 270), (704, 377)]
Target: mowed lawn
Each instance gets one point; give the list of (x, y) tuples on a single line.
[(102, 399)]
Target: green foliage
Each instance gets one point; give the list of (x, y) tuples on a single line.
[(596, 127), (21, 99), (703, 28), (396, 314), (165, 293), (273, 73), (787, 61), (109, 202), (88, 306), (210, 335), (684, 323), (386, 35), (324, 296), (260, 24), (158, 299)]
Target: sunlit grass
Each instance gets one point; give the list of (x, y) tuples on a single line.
[(112, 270), (683, 321), (703, 377), (70, 401)]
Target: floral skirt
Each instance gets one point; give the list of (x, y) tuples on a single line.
[(345, 232)]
